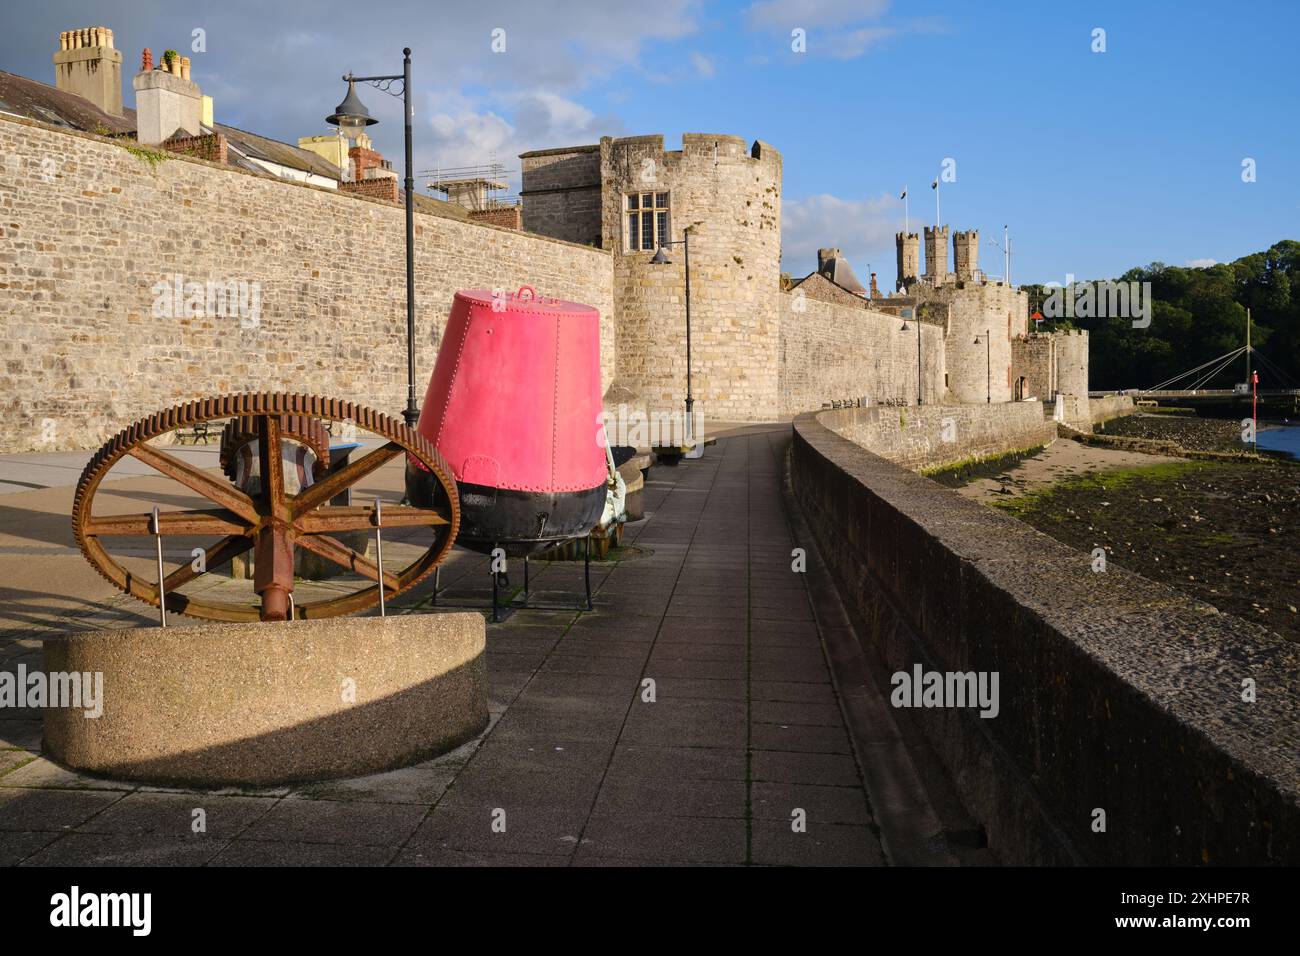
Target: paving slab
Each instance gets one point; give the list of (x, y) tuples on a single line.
[(746, 726), (333, 821)]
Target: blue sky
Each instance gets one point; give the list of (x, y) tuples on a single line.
[(1097, 161)]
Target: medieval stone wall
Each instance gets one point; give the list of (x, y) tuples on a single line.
[(730, 198), (561, 193), (977, 372), (1033, 358), (831, 351), (89, 253)]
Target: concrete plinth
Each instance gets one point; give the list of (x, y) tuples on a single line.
[(273, 702)]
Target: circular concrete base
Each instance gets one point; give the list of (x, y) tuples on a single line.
[(271, 702)]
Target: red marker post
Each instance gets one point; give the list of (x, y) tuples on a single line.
[(1254, 405)]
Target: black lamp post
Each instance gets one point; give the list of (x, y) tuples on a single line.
[(352, 117), (988, 365), (918, 356), (661, 259)]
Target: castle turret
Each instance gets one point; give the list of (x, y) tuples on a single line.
[(727, 193), (909, 259), (936, 254), (965, 254)]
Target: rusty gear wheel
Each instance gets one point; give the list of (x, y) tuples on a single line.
[(271, 523)]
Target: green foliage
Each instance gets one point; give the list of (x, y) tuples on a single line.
[(1201, 313), (146, 155)]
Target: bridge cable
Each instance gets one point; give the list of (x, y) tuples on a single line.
[(1229, 356)]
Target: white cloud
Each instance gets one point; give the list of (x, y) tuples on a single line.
[(703, 65), (847, 46), (1200, 263), (468, 132), (860, 228), (785, 15), (840, 29)]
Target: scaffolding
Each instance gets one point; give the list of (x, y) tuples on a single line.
[(477, 188)]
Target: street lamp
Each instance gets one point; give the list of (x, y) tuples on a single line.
[(988, 364), (660, 258), (907, 312), (351, 117)]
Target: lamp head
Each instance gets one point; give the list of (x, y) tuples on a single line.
[(351, 116)]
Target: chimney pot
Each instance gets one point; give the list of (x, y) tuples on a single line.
[(146, 60), (86, 65), (185, 68)]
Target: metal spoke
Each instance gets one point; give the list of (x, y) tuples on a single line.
[(334, 550), (337, 481), (171, 523), (360, 518), (214, 489), (214, 557)]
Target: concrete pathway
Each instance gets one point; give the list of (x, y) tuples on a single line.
[(692, 718)]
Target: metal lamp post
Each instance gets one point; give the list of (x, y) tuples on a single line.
[(661, 259), (919, 400), (352, 117), (988, 364)]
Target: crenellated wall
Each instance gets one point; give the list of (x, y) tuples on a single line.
[(729, 196)]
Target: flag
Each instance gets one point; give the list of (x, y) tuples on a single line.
[(935, 184), (903, 194)]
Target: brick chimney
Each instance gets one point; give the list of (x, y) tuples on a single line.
[(87, 65), (875, 291), (166, 100)]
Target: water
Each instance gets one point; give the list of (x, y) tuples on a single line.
[(1284, 439)]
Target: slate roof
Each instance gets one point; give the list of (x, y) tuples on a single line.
[(32, 99)]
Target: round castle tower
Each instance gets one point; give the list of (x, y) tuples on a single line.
[(1072, 362), (729, 197)]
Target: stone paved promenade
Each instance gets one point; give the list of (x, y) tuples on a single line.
[(746, 726)]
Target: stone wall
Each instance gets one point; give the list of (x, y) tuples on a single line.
[(561, 193), (974, 310), (729, 195), (832, 350), (1033, 358), (936, 435), (1110, 406), (86, 256), (1114, 693)]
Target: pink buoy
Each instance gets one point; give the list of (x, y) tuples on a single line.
[(514, 407)]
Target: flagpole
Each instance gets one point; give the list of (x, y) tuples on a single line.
[(937, 218), (905, 232)]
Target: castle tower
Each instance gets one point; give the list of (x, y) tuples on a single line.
[(966, 254), (909, 259), (936, 254), (728, 194)]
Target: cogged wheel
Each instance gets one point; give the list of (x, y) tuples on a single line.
[(272, 522)]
